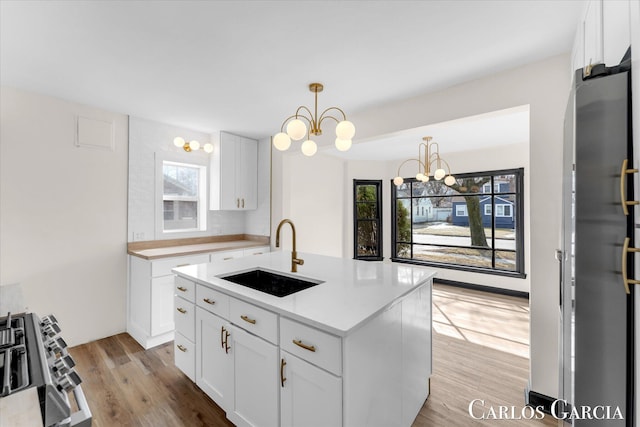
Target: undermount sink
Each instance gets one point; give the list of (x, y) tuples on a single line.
[(270, 283)]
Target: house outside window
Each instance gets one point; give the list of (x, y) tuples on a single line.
[(183, 197), (474, 225), (367, 219)]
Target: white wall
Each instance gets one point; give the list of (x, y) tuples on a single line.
[(63, 214), (544, 87)]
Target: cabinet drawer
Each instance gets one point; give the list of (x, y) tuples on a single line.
[(320, 348), (184, 316), (217, 257), (212, 301), (162, 267), (257, 251), (185, 356), (254, 319), (185, 288)]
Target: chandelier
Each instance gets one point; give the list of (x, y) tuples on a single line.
[(427, 161), (296, 128), (190, 146)]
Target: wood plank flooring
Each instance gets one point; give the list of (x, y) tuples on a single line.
[(480, 350)]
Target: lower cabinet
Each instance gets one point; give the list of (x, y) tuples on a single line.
[(309, 396), (237, 370)]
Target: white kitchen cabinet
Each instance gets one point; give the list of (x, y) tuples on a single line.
[(603, 35), (150, 319), (184, 355), (255, 380), (234, 173), (214, 363), (309, 396), (238, 370)]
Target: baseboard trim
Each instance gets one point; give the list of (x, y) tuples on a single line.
[(484, 288), (534, 399)]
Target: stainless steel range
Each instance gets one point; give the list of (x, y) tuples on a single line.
[(34, 361)]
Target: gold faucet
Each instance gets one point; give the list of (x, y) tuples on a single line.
[(295, 262)]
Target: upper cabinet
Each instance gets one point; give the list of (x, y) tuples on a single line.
[(603, 35), (234, 173)]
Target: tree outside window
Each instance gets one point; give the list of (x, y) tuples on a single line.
[(367, 219)]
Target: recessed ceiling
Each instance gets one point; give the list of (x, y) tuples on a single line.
[(244, 66)]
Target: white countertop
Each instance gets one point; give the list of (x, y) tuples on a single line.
[(352, 292)]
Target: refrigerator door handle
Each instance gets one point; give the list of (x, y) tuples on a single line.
[(625, 280), (560, 259), (623, 191)]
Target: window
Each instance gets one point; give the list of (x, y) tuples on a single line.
[(474, 225), (183, 197), (367, 219)]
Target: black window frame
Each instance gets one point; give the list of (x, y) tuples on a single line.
[(518, 215), (378, 220)]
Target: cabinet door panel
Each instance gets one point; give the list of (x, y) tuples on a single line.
[(256, 381), (184, 356), (162, 305), (310, 396), (248, 192), (214, 364)]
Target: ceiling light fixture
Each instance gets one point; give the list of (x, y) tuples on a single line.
[(431, 152), (297, 129), (190, 146)]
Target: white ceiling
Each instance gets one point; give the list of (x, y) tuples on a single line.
[(244, 66)]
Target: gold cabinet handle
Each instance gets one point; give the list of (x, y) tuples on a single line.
[(181, 289), (181, 310), (182, 265), (299, 343), (222, 336), (282, 378), (623, 190), (227, 258), (208, 301), (181, 348), (625, 280), (238, 203), (248, 320), (243, 203), (226, 341)]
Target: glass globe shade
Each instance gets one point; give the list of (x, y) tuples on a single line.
[(178, 141), (345, 130), (195, 145), (449, 180), (281, 141), (208, 148), (398, 180), (309, 148), (439, 174), (426, 178), (296, 129), (420, 176), (343, 144)]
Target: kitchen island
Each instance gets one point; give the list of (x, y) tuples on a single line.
[(354, 349)]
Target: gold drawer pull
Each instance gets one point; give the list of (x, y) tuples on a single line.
[(208, 301), (626, 281), (243, 203), (182, 349), (299, 343), (227, 258), (623, 191), (181, 310), (181, 289), (182, 265), (257, 253), (248, 320), (282, 378)]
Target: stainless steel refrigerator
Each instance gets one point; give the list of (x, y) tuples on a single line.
[(597, 271)]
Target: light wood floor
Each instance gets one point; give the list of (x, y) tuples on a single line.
[(480, 348)]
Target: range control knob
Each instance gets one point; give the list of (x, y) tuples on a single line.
[(55, 346), (51, 330), (69, 381), (47, 320), (63, 365)]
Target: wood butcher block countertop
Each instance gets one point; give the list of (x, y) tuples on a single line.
[(154, 249)]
